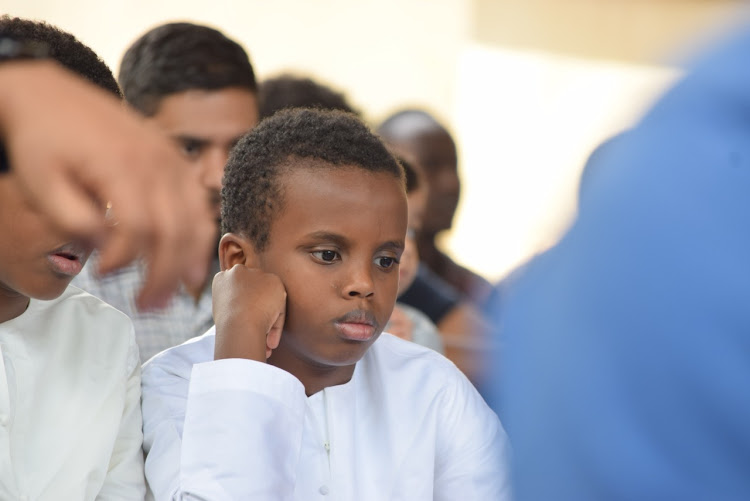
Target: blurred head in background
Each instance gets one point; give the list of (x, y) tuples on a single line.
[(199, 87), (416, 134), (290, 91)]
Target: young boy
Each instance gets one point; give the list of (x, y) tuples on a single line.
[(295, 394), (198, 87), (70, 421)]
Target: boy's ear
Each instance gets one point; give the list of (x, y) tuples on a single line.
[(236, 249)]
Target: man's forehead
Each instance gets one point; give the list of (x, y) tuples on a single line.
[(205, 114)]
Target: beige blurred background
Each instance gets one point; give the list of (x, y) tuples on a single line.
[(528, 87)]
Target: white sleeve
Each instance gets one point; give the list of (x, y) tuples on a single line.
[(233, 430), (472, 452), (124, 480)]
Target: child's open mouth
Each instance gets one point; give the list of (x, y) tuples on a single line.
[(67, 260)]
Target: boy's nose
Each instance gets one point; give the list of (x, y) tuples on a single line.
[(360, 283)]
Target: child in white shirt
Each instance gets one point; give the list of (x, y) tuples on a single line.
[(70, 421), (295, 394)]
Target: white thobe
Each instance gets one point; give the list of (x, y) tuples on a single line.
[(407, 426), (70, 420)]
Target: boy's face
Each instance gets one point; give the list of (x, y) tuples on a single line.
[(205, 125), (335, 246), (37, 261)]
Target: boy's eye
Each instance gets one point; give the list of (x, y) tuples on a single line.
[(190, 148), (327, 256), (386, 262)]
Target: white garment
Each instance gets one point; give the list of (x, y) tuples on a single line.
[(407, 426), (70, 421), (155, 330)]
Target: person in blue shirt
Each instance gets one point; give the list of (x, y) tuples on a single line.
[(626, 347)]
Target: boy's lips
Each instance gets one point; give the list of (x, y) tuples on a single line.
[(357, 325), (68, 259)]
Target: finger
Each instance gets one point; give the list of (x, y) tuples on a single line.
[(164, 266), (153, 225), (202, 237), (118, 182), (69, 207), (160, 285), (274, 335), (125, 239), (193, 227)]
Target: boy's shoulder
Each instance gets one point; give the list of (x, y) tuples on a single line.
[(399, 350), (395, 359), (77, 306), (84, 309), (76, 297), (77, 325), (179, 360)]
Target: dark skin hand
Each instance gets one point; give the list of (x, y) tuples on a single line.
[(249, 306), (97, 151)]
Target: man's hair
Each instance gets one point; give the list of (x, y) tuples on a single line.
[(297, 138), (63, 48), (289, 91), (176, 57)]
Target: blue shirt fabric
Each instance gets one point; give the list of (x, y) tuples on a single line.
[(626, 348)]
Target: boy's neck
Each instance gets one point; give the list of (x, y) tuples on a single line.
[(313, 378), (12, 304)]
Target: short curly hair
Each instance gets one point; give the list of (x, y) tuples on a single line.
[(63, 48), (176, 57), (289, 91), (296, 138)]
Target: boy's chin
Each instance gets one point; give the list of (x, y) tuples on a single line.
[(50, 291), (51, 295)]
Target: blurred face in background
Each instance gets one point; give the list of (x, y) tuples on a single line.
[(205, 125), (417, 203), (435, 152)]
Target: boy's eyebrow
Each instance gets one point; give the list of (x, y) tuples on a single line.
[(397, 245), (344, 242), (340, 240)]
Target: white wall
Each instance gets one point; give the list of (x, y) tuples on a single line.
[(385, 53), (525, 121)]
